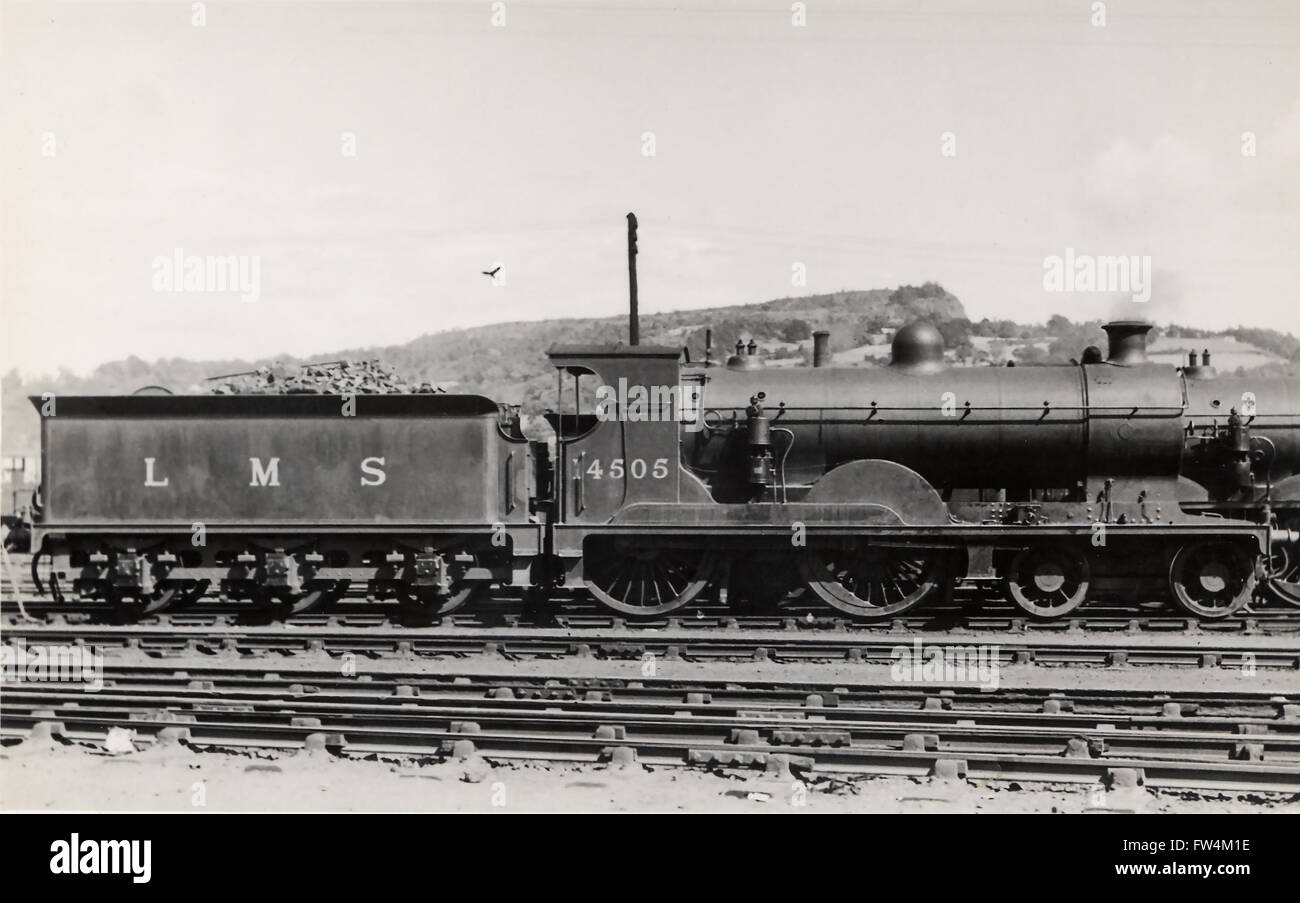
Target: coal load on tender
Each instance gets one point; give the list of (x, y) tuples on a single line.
[(334, 378)]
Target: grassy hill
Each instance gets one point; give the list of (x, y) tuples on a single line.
[(506, 361)]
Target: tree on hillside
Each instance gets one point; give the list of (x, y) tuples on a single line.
[(1281, 344), (996, 329), (1030, 355), (795, 330), (867, 327), (956, 335), (907, 293), (1058, 325)]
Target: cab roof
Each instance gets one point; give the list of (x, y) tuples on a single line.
[(618, 350)]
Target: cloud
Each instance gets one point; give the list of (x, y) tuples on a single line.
[(1128, 177)]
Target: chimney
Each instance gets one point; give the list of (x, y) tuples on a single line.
[(753, 348), (1205, 357), (821, 348), (1128, 342)]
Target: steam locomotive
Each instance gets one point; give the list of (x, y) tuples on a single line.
[(872, 489)]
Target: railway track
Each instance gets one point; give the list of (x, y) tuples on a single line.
[(1179, 740), (1200, 741), (973, 607), (510, 613), (675, 642)]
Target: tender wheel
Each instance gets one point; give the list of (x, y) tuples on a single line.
[(284, 603), (130, 606), (424, 604), (191, 592), (1212, 579), (1048, 581), (1284, 568), (872, 581), (643, 581)]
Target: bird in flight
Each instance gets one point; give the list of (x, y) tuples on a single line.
[(492, 273)]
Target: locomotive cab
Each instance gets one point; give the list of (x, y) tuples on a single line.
[(617, 455)]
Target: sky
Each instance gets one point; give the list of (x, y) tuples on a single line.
[(879, 143)]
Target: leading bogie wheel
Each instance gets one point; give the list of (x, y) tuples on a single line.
[(1211, 578), (1049, 580)]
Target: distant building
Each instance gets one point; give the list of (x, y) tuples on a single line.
[(19, 469), (19, 478)]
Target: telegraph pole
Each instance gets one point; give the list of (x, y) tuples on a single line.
[(633, 326)]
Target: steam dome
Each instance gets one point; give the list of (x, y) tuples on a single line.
[(919, 346)]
